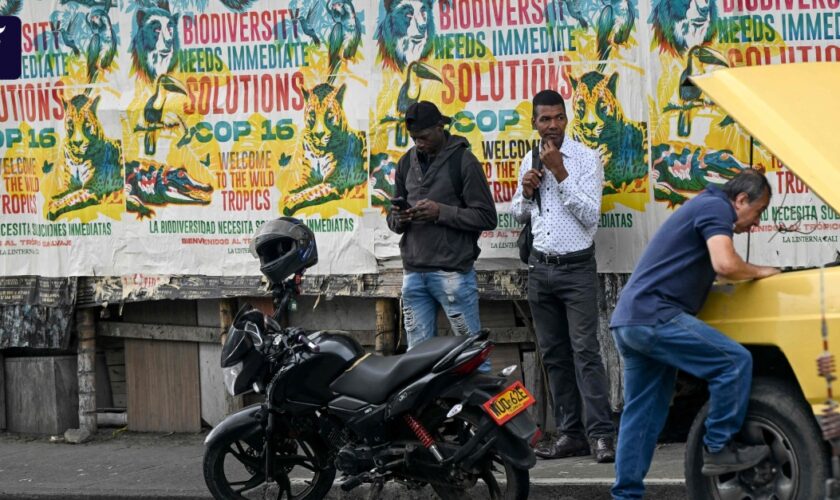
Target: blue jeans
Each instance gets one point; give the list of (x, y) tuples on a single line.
[(652, 355), (456, 292)]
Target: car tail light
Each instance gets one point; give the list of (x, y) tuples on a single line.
[(473, 363)]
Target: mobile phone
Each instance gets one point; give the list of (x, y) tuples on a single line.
[(538, 164), (400, 203)]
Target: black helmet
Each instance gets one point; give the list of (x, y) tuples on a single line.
[(284, 246)]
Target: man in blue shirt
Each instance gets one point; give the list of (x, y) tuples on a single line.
[(657, 333)]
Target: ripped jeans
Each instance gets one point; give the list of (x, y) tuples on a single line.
[(456, 292)]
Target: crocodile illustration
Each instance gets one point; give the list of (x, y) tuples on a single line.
[(91, 173), (152, 183), (679, 173)]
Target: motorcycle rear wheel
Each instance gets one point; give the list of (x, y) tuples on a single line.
[(503, 481), (233, 469)]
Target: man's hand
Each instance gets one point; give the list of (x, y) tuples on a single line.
[(531, 182), (730, 266), (401, 216), (761, 272), (424, 211), (767, 271), (552, 158)]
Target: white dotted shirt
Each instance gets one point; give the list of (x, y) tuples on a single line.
[(570, 209)]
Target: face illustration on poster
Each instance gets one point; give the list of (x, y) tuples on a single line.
[(681, 24), (405, 32), (694, 26), (155, 42)]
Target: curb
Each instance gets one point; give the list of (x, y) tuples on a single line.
[(554, 489)]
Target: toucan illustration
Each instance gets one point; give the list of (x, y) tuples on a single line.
[(154, 116), (409, 92), (410, 89)]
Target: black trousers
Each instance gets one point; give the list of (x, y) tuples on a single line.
[(564, 304)]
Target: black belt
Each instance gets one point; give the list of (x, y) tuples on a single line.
[(567, 258)]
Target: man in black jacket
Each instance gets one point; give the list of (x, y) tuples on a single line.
[(448, 206)]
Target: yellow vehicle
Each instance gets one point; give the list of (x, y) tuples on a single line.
[(781, 319)]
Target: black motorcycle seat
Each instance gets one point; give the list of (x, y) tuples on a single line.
[(376, 377)]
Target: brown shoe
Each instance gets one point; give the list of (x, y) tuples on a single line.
[(604, 450), (564, 446)]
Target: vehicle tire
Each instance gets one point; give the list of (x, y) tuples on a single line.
[(234, 469), (798, 465), (503, 480)]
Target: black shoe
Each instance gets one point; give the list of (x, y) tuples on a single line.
[(604, 450), (564, 446), (733, 458)]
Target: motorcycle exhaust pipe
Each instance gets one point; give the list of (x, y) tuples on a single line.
[(351, 482)]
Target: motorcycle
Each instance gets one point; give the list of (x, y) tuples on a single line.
[(421, 418)]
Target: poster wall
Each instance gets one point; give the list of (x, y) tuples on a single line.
[(155, 136)]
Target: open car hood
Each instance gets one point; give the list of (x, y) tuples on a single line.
[(793, 110)]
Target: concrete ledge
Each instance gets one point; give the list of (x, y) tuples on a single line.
[(554, 490), (156, 466)]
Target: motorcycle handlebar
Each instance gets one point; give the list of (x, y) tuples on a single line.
[(304, 340)]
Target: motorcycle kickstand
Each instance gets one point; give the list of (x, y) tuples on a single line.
[(376, 488)]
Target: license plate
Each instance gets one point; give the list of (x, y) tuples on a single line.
[(509, 403)]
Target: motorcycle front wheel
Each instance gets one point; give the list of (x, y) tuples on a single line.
[(234, 469)]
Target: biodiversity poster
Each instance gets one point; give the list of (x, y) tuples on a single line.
[(156, 136), (694, 143)]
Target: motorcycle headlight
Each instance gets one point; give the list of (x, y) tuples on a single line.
[(231, 373)]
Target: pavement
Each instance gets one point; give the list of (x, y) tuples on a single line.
[(117, 464)]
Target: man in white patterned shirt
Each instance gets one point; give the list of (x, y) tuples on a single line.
[(561, 196)]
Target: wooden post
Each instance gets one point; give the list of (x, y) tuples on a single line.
[(385, 326), (610, 287), (86, 321), (86, 373), (2, 394), (225, 318)]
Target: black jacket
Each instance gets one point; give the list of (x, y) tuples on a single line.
[(450, 244)]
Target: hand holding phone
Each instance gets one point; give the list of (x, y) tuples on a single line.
[(533, 178), (400, 203), (399, 209)]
